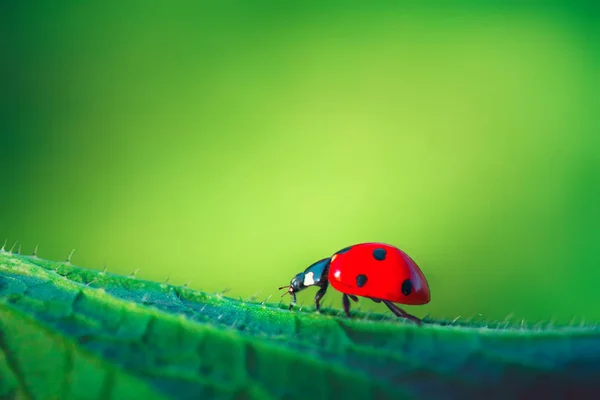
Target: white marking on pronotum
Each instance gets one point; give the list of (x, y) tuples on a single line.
[(337, 274), (309, 279)]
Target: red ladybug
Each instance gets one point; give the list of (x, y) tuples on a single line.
[(378, 271)]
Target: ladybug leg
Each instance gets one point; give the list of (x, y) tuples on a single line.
[(319, 296), (353, 297), (400, 312), (293, 302), (376, 300), (346, 302)]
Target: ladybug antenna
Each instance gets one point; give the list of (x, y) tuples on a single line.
[(286, 292)]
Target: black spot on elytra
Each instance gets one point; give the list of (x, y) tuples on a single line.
[(379, 254), (344, 250), (361, 280), (407, 287)]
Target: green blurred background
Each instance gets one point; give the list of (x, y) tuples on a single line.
[(231, 144)]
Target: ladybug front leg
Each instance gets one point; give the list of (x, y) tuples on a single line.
[(293, 302)]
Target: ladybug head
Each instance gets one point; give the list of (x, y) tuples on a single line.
[(296, 285)]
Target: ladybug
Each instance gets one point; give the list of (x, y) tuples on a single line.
[(378, 271)]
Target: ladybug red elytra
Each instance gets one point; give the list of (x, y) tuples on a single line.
[(378, 271)]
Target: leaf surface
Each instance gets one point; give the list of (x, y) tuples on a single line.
[(70, 332)]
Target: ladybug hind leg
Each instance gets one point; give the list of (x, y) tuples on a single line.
[(346, 302), (400, 312)]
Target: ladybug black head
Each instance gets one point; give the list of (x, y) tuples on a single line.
[(297, 283)]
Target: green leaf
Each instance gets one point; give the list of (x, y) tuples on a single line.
[(72, 333)]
